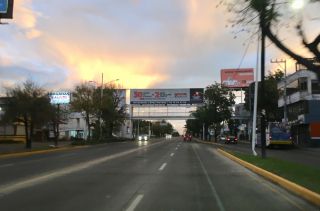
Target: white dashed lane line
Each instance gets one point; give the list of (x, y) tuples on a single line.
[(172, 154), (135, 203), (162, 166)]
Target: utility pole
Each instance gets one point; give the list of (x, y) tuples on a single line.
[(263, 111), (285, 110)]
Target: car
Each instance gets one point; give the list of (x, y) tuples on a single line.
[(187, 137), (231, 139), (221, 138), (143, 137)]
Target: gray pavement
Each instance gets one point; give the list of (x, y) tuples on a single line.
[(159, 175)]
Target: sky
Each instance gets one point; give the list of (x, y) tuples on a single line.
[(143, 43)]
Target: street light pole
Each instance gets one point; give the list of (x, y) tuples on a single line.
[(285, 110)]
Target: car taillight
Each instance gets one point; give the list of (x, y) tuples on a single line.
[(235, 139)]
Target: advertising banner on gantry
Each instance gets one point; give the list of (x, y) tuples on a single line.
[(166, 96), (237, 78)]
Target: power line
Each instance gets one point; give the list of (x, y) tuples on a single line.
[(244, 55)]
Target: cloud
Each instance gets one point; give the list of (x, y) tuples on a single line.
[(25, 18), (182, 43)]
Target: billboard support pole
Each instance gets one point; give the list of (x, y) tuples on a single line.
[(56, 138)]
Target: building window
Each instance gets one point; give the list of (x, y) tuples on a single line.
[(78, 122), (315, 87), (303, 84), (296, 109)]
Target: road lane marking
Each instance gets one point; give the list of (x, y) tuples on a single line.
[(45, 177), (176, 148), (6, 165), (135, 202), (162, 166), (172, 154), (213, 189)]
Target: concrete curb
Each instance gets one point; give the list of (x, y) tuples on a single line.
[(21, 154), (208, 142), (293, 187)]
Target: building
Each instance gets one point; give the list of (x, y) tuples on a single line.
[(303, 103), (10, 131)]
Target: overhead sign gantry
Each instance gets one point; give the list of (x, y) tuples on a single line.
[(158, 104)]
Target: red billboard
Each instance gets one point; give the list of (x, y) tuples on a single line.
[(237, 78)]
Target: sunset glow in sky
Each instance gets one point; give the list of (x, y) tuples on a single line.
[(145, 44)]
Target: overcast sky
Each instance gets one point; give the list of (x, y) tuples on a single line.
[(144, 43)]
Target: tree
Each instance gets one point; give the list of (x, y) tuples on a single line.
[(273, 113), (85, 99), (30, 105), (160, 128), (269, 15), (217, 107), (143, 126), (193, 126), (58, 115), (113, 111)]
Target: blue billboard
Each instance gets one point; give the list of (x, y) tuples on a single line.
[(3, 6), (6, 9)]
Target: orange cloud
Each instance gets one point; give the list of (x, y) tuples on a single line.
[(133, 71), (26, 18), (203, 18)]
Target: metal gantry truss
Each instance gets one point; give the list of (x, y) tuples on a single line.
[(162, 111)]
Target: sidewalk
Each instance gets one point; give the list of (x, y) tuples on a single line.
[(6, 148)]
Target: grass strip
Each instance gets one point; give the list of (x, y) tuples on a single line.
[(306, 176)]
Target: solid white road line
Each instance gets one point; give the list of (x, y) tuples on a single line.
[(213, 189), (135, 203), (162, 166), (172, 154)]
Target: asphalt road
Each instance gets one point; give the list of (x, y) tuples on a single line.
[(158, 175)]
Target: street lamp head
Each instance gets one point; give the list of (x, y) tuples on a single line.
[(297, 4)]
